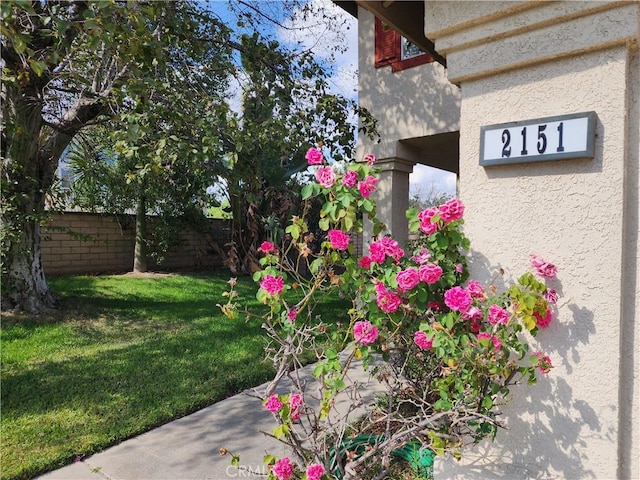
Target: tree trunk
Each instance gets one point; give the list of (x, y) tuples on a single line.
[(140, 253)]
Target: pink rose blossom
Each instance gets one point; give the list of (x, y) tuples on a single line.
[(313, 156), (295, 402), (422, 341), (267, 247), (451, 210), (370, 159), (350, 179), (475, 289), (292, 314), (386, 300), (543, 322), (459, 268), (407, 279), (457, 298), (272, 285), (474, 314), (365, 262), (273, 404), (326, 176), (543, 268), (423, 256), (385, 247), (339, 240), (427, 225), (551, 296), (430, 273), (283, 469), (365, 332), (544, 362), (487, 336), (315, 471), (498, 315), (367, 186)]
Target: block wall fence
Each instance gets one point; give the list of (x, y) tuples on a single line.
[(105, 244)]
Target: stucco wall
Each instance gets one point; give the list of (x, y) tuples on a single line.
[(416, 102), (531, 60), (571, 214)]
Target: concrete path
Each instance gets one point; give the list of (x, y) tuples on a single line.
[(188, 448)]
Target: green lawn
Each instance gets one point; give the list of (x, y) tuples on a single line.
[(124, 354)]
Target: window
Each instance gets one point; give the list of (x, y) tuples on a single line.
[(393, 49)]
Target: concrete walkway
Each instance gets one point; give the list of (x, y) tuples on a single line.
[(188, 448)]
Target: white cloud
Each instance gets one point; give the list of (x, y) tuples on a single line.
[(425, 180)]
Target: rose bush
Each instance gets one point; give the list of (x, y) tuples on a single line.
[(446, 349)]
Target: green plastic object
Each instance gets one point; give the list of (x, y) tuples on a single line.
[(420, 458)]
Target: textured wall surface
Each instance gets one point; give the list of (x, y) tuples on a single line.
[(101, 244), (569, 212), (523, 60), (410, 103)]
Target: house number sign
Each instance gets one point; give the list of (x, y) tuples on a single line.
[(553, 138)]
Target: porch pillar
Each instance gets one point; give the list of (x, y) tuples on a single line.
[(392, 199)]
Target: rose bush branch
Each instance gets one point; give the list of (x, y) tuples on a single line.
[(447, 351)]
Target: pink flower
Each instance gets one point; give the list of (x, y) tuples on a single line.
[(367, 186), (498, 315), (370, 159), (292, 314), (273, 404), (451, 210), (422, 341), (430, 273), (407, 279), (387, 301), (459, 268), (385, 247), (492, 338), (457, 298), (315, 471), (350, 179), (365, 262), (543, 268), (544, 362), (551, 296), (423, 256), (326, 176), (313, 156), (475, 289), (474, 314), (427, 225), (267, 247), (272, 285), (339, 240), (543, 322), (283, 469), (295, 402), (365, 332)]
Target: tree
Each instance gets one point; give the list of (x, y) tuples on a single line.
[(68, 65), (281, 117)]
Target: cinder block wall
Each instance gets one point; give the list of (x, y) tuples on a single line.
[(79, 242)]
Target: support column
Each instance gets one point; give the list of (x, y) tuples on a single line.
[(392, 199)]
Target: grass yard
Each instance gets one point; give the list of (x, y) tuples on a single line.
[(124, 354)]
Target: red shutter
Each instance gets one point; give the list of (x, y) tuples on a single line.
[(387, 44)]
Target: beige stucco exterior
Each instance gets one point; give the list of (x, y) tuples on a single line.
[(510, 61)]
